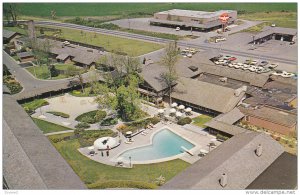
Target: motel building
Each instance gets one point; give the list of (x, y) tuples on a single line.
[(192, 20)]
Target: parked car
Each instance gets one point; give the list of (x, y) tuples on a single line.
[(263, 63), (220, 39), (273, 65), (232, 58), (177, 29)]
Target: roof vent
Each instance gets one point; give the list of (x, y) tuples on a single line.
[(259, 150), (193, 68), (223, 180)]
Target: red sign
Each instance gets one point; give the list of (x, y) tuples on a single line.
[(224, 17)]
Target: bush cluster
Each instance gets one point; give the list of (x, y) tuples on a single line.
[(61, 114), (82, 125), (134, 126), (13, 86), (91, 117), (222, 137), (109, 121), (184, 121), (123, 184)]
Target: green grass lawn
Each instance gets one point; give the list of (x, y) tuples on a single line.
[(110, 43), (201, 120), (282, 19), (97, 175), (42, 71), (35, 104), (47, 127), (86, 93), (140, 9)]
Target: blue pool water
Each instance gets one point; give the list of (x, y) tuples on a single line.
[(165, 143)]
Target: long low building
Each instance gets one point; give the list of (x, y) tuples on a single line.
[(207, 97), (187, 19), (30, 161), (274, 119)]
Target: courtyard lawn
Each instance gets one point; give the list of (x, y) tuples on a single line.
[(47, 127), (35, 104), (97, 175), (42, 71), (201, 120), (111, 43)]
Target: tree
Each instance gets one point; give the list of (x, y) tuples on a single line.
[(169, 60), (53, 14), (80, 79), (12, 10), (53, 71)]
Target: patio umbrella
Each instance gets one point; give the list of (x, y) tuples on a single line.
[(188, 109), (172, 110), (160, 111), (174, 105), (91, 148), (128, 132), (181, 107), (178, 114), (202, 151)]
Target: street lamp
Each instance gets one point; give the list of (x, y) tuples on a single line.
[(130, 161)]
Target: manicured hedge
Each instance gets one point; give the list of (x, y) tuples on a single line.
[(61, 114), (123, 184), (109, 121), (82, 126), (184, 121), (91, 117)]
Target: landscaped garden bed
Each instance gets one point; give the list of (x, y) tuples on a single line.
[(30, 107), (88, 137), (61, 114), (13, 85), (91, 117), (134, 126)]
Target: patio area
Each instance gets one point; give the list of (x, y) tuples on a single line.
[(200, 139)]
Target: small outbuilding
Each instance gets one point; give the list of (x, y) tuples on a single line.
[(25, 56)]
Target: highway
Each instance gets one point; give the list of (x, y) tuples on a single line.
[(202, 46)]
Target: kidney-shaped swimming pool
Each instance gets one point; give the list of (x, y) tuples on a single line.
[(165, 144)]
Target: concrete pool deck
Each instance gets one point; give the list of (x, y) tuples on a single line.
[(200, 141)]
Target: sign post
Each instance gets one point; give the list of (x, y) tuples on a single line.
[(224, 20)]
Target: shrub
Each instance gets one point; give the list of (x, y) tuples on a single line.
[(91, 117), (82, 125), (35, 104), (123, 184), (155, 120), (61, 114), (56, 140), (109, 121), (222, 137), (184, 121), (53, 71)]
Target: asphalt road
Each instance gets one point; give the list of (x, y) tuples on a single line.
[(31, 84), (205, 46)]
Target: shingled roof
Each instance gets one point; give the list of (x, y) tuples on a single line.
[(274, 115), (236, 158), (205, 65), (7, 34), (214, 97), (46, 167)]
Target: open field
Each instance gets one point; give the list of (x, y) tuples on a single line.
[(142, 9), (282, 19), (97, 175), (110, 43)]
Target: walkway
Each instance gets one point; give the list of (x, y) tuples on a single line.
[(200, 141)]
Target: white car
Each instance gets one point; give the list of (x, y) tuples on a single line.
[(231, 65), (189, 55), (253, 62), (177, 29), (220, 39), (272, 65)]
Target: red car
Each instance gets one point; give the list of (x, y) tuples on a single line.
[(232, 59)]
